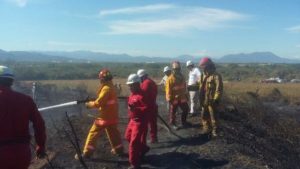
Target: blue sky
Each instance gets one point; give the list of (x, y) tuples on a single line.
[(152, 27)]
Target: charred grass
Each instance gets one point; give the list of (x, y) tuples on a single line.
[(261, 131), (253, 134)]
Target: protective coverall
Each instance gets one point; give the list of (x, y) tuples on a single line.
[(149, 88), (107, 120), (16, 111), (193, 88), (137, 125), (211, 89), (176, 96)]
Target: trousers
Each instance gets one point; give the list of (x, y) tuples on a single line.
[(113, 136)]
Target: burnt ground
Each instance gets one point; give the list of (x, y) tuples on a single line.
[(253, 134)]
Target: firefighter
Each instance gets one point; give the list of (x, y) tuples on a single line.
[(108, 118), (16, 112), (193, 86), (176, 95), (137, 109), (167, 71), (149, 88), (211, 89)]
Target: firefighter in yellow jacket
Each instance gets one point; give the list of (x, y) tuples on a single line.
[(176, 95), (211, 89), (107, 105)]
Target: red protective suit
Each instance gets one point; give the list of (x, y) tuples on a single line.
[(136, 127), (149, 88), (16, 111)]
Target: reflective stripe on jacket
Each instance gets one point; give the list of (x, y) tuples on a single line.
[(176, 89), (211, 87), (107, 104)]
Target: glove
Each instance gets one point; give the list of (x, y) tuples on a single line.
[(84, 100), (89, 104), (40, 153)]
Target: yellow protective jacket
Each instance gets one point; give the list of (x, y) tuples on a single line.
[(107, 104), (176, 88), (211, 88)]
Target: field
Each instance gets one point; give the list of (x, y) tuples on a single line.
[(289, 91), (258, 125)]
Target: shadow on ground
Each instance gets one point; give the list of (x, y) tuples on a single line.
[(179, 160)]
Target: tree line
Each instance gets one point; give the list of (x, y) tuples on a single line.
[(72, 71)]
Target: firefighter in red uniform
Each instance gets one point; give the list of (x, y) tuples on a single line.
[(149, 88), (137, 125), (16, 111)]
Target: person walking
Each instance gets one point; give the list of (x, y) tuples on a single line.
[(16, 112), (176, 95), (211, 90), (149, 88), (193, 86), (137, 109), (108, 118)]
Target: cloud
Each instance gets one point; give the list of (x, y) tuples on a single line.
[(179, 19), (71, 45), (295, 29), (20, 3), (203, 52), (134, 10)]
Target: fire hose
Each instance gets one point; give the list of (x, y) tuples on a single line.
[(88, 99)]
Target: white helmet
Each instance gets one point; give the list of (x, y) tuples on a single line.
[(141, 72), (189, 63), (133, 78), (167, 68), (6, 72)]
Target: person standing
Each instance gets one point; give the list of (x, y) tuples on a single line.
[(16, 112), (108, 118), (149, 88), (211, 90), (167, 71), (176, 95), (193, 86), (137, 109)]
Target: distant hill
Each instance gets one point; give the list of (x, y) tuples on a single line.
[(88, 56), (105, 57), (30, 57), (256, 57)]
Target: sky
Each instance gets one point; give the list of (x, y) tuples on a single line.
[(157, 28)]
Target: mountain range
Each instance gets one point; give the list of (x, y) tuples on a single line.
[(88, 56)]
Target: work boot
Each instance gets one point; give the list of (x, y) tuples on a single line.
[(214, 133), (173, 126), (186, 124), (133, 167), (145, 151), (204, 130), (83, 156), (119, 151), (153, 141), (192, 114)]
